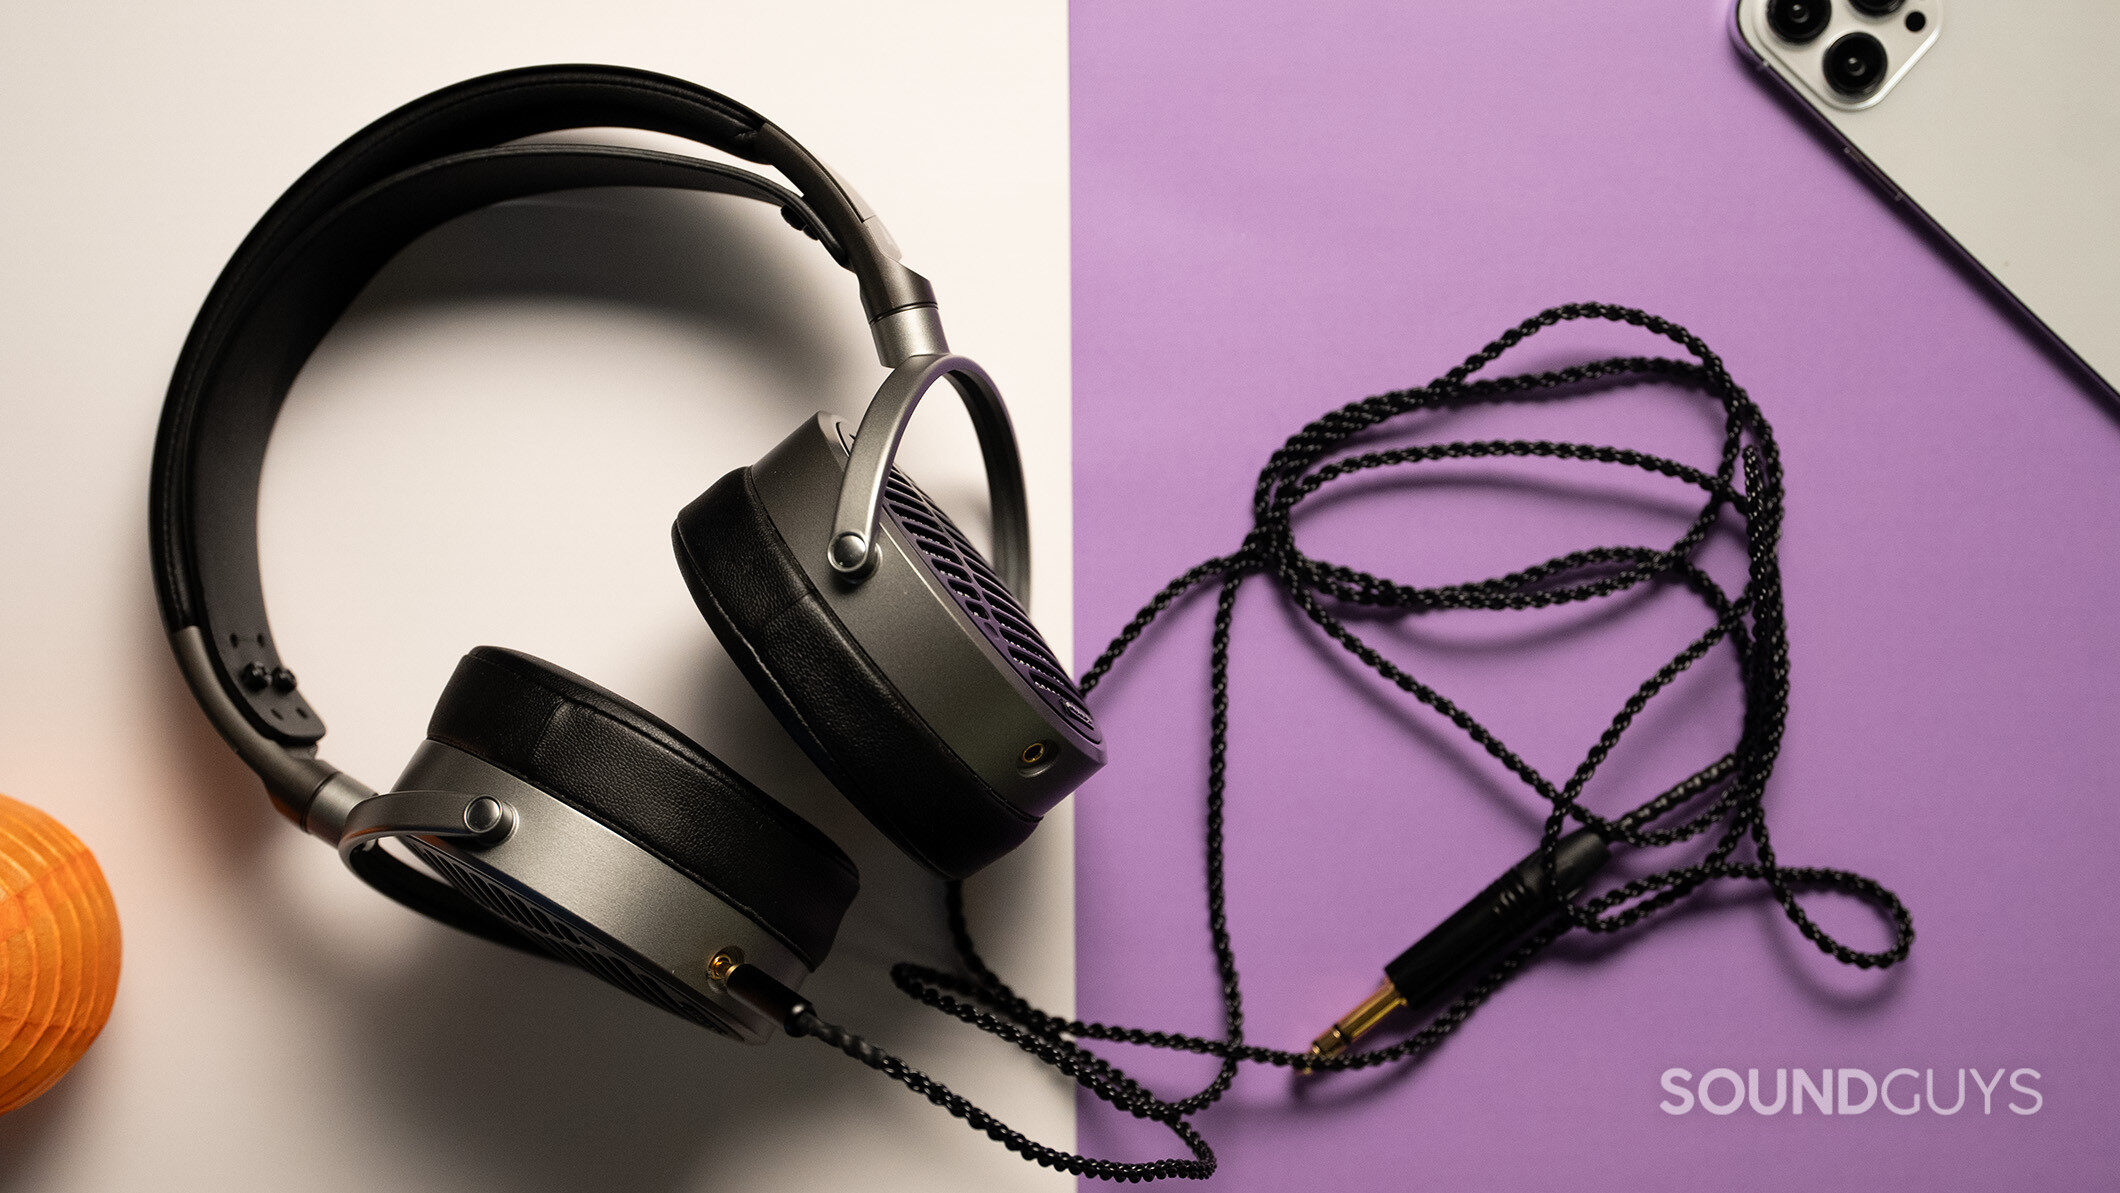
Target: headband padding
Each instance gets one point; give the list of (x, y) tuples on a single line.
[(615, 761), (829, 693)]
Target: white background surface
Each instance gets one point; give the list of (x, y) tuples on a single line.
[(489, 449)]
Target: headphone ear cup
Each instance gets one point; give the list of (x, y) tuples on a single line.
[(508, 719), (890, 686)]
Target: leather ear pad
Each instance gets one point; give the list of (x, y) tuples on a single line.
[(828, 693), (612, 759)]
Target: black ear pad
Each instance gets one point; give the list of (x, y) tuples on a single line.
[(827, 691), (612, 759)]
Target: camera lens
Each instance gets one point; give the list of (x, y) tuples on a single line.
[(1799, 20), (1877, 8), (1855, 64)]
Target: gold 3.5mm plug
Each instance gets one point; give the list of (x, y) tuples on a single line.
[(1472, 938)]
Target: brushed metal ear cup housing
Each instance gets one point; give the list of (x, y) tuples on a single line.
[(921, 690), (634, 853)]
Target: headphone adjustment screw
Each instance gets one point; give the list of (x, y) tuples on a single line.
[(255, 677), (724, 963), (850, 553), (282, 680), (483, 814)]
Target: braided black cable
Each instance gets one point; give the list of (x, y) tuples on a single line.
[(1726, 795)]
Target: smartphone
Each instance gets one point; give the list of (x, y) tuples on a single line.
[(1997, 122)]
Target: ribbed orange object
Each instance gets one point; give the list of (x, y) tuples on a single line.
[(58, 952)]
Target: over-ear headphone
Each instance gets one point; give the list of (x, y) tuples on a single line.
[(560, 817)]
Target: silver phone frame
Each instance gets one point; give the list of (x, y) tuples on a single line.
[(1794, 94)]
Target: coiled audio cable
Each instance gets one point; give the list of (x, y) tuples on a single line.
[(1722, 800)]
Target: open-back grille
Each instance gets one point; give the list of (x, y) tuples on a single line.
[(984, 598), (571, 941)]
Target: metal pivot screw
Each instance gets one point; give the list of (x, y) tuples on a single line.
[(483, 814), (724, 964), (850, 553), (1034, 754)]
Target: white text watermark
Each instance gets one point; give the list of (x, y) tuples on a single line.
[(1850, 1091)]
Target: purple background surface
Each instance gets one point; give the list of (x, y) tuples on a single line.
[(1279, 208)]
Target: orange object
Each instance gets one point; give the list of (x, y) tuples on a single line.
[(58, 951)]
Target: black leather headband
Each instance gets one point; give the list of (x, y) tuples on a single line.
[(314, 250)]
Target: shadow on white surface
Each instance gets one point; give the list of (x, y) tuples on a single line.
[(659, 253), (26, 1131)]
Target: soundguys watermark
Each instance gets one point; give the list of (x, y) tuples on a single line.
[(1843, 1092)]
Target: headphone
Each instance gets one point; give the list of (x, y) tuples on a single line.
[(552, 814)]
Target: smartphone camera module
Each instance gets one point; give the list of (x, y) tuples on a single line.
[(1855, 65), (1798, 21), (1847, 55)]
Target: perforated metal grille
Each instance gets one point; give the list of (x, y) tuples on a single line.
[(571, 941), (984, 598)]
